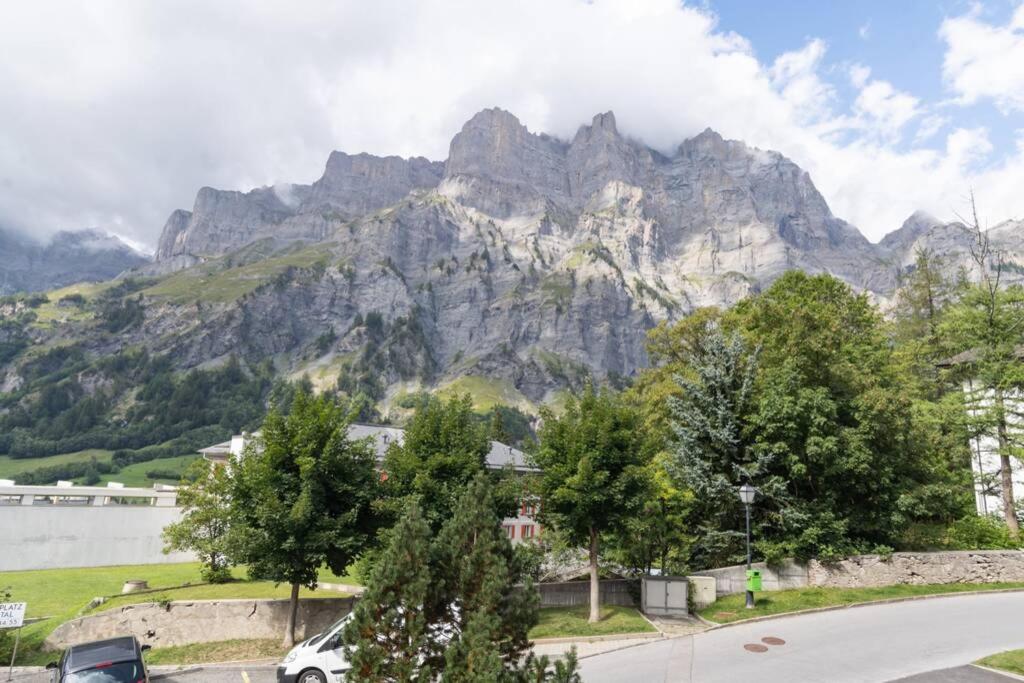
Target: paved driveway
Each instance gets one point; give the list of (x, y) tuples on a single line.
[(863, 644)]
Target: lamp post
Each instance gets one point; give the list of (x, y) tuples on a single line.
[(747, 493)]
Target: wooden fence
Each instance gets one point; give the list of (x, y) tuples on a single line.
[(570, 593)]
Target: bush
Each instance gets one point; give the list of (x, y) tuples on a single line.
[(979, 533)]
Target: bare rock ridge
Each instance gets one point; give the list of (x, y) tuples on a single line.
[(523, 261), (68, 257)]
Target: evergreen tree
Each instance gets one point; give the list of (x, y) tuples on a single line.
[(205, 519), (482, 590), (988, 324), (593, 476), (301, 497), (713, 454), (388, 638)]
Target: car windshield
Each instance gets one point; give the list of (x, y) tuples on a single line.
[(121, 672), (318, 638)]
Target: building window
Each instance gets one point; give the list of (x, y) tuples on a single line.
[(527, 531), (510, 530)]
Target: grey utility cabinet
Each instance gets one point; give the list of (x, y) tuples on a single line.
[(664, 596)]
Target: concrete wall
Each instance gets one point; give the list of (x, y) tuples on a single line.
[(570, 593), (866, 571), (969, 566), (731, 580), (54, 536), (201, 621)]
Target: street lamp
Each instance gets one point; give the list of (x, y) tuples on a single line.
[(747, 494)]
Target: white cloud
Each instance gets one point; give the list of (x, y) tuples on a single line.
[(984, 60), (115, 113), (865, 31)]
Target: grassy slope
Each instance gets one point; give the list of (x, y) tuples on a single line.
[(135, 474), (10, 467), (50, 313), (1012, 661), (561, 622), (731, 608), (61, 594), (221, 651), (486, 392), (215, 284)]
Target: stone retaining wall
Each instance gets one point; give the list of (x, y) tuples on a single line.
[(868, 571), (969, 566), (200, 621)]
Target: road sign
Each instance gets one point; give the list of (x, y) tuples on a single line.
[(12, 614)]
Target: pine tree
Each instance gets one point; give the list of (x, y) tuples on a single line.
[(389, 635), (483, 592)]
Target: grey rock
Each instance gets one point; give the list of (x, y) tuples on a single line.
[(68, 257)]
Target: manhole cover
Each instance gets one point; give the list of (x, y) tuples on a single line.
[(772, 640), (755, 647)]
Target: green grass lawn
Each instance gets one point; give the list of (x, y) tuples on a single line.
[(10, 467), (221, 651), (135, 474), (563, 622), (1012, 661), (62, 594), (731, 607), (131, 475)]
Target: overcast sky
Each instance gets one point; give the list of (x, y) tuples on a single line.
[(114, 113)]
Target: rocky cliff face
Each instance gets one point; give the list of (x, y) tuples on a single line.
[(69, 257), (521, 265)]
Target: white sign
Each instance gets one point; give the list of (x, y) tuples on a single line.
[(12, 614)]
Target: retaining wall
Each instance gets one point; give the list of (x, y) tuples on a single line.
[(201, 621), (571, 593), (866, 571), (57, 536), (968, 566)]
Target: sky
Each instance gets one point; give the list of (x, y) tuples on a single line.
[(113, 114)]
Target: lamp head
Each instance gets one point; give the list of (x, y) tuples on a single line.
[(747, 494)]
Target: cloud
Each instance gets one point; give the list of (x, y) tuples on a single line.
[(114, 113), (865, 31), (985, 61)]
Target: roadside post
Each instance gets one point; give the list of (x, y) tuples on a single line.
[(747, 494), (12, 615)]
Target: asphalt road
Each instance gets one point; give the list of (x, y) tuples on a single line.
[(864, 644)]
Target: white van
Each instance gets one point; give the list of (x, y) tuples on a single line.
[(320, 659)]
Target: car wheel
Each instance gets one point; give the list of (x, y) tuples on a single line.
[(312, 676)]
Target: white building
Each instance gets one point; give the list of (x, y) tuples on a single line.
[(523, 526), (985, 460)]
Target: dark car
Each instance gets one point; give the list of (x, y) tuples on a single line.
[(117, 660)]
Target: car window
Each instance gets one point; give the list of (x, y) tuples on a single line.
[(121, 672), (318, 638)]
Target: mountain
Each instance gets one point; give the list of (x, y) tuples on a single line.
[(521, 265), (68, 257), (953, 244)]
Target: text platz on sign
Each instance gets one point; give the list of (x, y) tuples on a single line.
[(12, 614)]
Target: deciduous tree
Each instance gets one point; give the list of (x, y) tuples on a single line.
[(301, 497), (593, 477), (205, 520)]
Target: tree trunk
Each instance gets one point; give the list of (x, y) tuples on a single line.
[(293, 611), (595, 586), (1006, 470)]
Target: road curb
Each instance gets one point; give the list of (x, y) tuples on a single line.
[(714, 626), (643, 635), (1001, 672)]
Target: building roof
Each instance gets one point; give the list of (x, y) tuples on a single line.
[(500, 456), (971, 356)]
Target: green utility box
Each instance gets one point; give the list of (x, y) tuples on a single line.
[(753, 579)]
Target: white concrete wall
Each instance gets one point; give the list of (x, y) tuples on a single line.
[(55, 536)]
